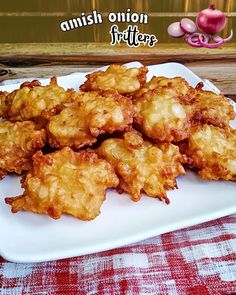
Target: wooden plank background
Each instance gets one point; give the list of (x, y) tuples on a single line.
[(93, 53), (38, 20), (30, 32)]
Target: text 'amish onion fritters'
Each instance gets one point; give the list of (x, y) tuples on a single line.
[(117, 77), (33, 101), (212, 108), (142, 166), (18, 142), (163, 115), (212, 150), (91, 114), (65, 182)]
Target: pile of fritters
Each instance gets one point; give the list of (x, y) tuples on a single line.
[(119, 131)]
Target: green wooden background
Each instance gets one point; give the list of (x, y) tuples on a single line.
[(30, 21)]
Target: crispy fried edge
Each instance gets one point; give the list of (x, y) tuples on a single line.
[(127, 105), (3, 106), (204, 170), (134, 139), (45, 115), (174, 135), (186, 99), (39, 158), (90, 84), (199, 115), (38, 143)]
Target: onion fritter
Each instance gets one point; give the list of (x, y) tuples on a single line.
[(33, 101), (18, 142), (212, 108), (65, 182), (212, 150), (3, 107), (163, 115), (142, 166), (91, 114), (168, 107), (117, 77), (178, 84)]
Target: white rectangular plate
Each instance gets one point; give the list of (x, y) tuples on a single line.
[(27, 237)]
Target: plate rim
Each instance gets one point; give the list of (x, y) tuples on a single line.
[(117, 243)]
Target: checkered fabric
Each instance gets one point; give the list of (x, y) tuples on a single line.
[(197, 260)]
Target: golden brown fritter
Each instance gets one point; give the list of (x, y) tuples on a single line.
[(142, 166), (3, 107), (163, 115), (33, 101), (91, 114), (65, 182), (212, 108), (3, 173), (178, 84), (212, 150), (202, 106), (117, 77), (18, 142)]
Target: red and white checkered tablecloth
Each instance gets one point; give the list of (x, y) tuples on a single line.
[(197, 260)]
